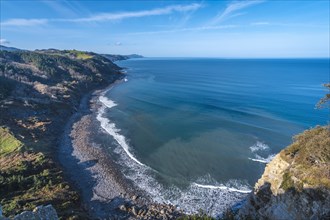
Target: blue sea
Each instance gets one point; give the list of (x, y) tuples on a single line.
[(198, 133)]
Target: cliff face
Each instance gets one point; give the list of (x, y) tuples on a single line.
[(296, 183)]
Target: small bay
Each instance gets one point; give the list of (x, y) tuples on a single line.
[(205, 128)]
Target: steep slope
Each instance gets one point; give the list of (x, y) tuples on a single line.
[(28, 179), (2, 47), (39, 90), (296, 183), (38, 93)]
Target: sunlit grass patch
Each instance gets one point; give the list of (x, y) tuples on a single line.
[(8, 143)]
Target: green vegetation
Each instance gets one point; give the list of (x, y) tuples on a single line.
[(57, 66), (309, 156), (6, 87), (38, 92), (8, 143), (287, 182), (29, 179), (79, 54), (325, 99)]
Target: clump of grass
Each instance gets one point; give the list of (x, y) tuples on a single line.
[(309, 156), (287, 182)]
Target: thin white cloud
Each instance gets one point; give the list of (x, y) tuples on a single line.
[(202, 28), (137, 14), (4, 41), (23, 22), (60, 8), (232, 8), (106, 16), (186, 17), (69, 9)]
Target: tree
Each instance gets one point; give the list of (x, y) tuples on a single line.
[(325, 99)]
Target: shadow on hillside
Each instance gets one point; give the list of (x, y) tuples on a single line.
[(308, 203)]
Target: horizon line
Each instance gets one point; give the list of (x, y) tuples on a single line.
[(177, 57), (214, 57)]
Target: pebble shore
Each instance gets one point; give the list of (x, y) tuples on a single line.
[(106, 193)]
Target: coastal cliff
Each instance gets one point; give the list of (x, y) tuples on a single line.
[(296, 183), (39, 91)]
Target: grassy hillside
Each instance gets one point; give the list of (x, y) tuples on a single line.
[(39, 91), (28, 179)]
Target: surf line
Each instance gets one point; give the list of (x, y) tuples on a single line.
[(221, 187), (111, 129), (263, 160)]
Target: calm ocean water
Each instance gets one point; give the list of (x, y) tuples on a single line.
[(198, 132)]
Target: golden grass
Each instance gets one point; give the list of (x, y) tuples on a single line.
[(309, 156)]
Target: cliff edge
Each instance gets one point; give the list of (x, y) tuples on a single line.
[(296, 183)]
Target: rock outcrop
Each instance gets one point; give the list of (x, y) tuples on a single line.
[(151, 211), (39, 213), (296, 183)]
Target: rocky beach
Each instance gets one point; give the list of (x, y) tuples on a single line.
[(105, 191)]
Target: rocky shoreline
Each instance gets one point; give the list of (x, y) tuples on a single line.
[(105, 192)]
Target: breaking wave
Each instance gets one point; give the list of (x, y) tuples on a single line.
[(107, 102), (223, 187), (111, 129), (213, 198), (259, 146), (262, 159)]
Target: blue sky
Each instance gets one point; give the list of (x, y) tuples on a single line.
[(249, 29)]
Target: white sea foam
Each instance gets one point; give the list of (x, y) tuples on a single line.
[(111, 129), (125, 80), (214, 199), (263, 160), (223, 187), (259, 146), (107, 102)]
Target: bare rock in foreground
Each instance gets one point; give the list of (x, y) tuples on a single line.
[(39, 213)]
